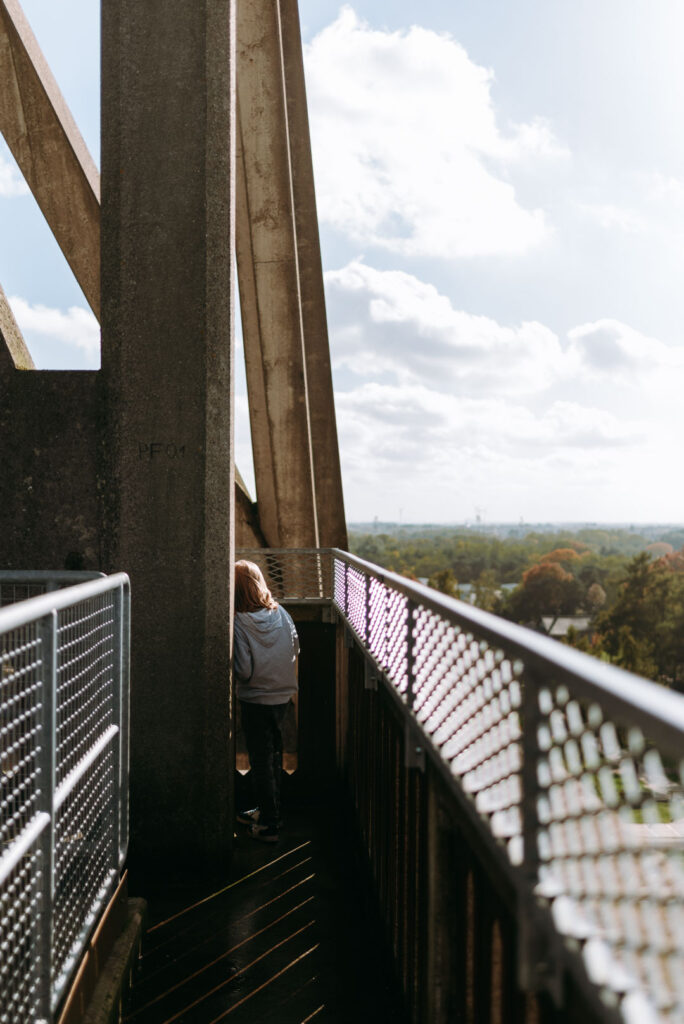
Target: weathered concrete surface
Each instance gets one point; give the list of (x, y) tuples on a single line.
[(167, 260), (269, 287), (247, 529), (332, 525), (14, 353), (49, 149), (50, 515)]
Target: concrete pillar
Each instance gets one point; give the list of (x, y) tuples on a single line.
[(167, 260), (269, 287), (332, 525), (49, 149)]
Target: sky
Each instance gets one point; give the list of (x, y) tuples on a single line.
[(501, 201)]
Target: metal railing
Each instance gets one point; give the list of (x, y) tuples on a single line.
[(570, 773), (64, 660)]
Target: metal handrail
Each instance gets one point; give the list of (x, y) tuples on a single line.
[(570, 771), (64, 694)]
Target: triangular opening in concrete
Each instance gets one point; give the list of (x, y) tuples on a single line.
[(53, 314), (59, 328), (244, 459)]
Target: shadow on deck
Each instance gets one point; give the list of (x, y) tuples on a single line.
[(289, 939)]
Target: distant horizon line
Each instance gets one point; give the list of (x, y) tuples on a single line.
[(624, 524)]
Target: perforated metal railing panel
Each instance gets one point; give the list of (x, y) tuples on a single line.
[(611, 844), (21, 703), (84, 822), (63, 761), (572, 769), (293, 575)]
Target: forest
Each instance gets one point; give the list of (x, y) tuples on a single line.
[(622, 588)]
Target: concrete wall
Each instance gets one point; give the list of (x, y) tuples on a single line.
[(50, 454)]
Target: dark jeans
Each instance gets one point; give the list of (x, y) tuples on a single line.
[(261, 723)]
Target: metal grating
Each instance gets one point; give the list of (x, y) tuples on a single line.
[(85, 688), (21, 708), (611, 845), (293, 575), (20, 963), (63, 761), (467, 697), (21, 725)]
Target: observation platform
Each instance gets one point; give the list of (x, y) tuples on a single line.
[(495, 831)]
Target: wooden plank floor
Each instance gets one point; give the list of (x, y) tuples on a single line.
[(286, 940)]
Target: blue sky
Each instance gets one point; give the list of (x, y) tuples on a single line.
[(501, 197)]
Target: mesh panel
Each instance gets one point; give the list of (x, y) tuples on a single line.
[(20, 731), (10, 593), (84, 824), (72, 829), (356, 601), (467, 698), (20, 922), (83, 858), (611, 841), (387, 635), (20, 725), (294, 575), (85, 691)]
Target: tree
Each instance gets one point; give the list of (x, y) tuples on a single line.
[(595, 598), (546, 589), (444, 581), (487, 595), (632, 630)]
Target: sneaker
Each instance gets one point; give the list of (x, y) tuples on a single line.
[(264, 833), (252, 817), (249, 817)]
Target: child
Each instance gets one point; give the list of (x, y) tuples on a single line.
[(265, 660)]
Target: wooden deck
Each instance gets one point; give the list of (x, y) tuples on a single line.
[(286, 940)]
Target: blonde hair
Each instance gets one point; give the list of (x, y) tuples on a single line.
[(251, 591)]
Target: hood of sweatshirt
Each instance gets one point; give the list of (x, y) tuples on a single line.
[(263, 626)]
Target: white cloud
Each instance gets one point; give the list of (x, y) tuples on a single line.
[(612, 348), (53, 330), (11, 182), (440, 410), (407, 149), (413, 333), (610, 215), (668, 190), (438, 456)]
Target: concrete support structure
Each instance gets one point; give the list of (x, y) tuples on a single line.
[(332, 526), (132, 467), (167, 262), (296, 460), (13, 351), (49, 149)]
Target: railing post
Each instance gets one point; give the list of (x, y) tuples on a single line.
[(46, 632), (346, 591), (125, 717), (117, 718)]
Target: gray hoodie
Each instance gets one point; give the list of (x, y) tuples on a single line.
[(266, 646)]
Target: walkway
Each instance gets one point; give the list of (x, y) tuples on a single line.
[(286, 941)]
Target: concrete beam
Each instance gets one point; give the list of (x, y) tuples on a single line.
[(14, 353), (332, 525), (167, 286), (269, 287), (49, 149)]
